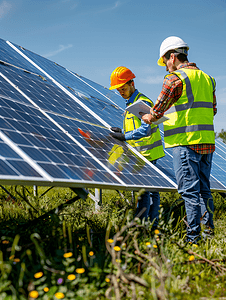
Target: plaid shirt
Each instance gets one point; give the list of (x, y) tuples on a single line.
[(171, 91)]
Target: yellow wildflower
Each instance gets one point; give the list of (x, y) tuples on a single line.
[(118, 261), (107, 279), (11, 257), (117, 248), (156, 231), (110, 241), (38, 275), (91, 253), (191, 258), (59, 295), (194, 245), (155, 246), (69, 254), (33, 294), (16, 260), (71, 277), (80, 270), (46, 289), (148, 243)]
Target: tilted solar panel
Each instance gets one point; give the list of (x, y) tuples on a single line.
[(65, 141)]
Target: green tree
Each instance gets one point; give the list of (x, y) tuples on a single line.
[(222, 135)]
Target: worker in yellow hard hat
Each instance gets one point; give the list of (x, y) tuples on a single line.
[(144, 138), (188, 99)]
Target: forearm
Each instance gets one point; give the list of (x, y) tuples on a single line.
[(143, 131)]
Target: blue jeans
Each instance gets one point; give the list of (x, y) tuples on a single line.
[(151, 201), (192, 172), (152, 211)]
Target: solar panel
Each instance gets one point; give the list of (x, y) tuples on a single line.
[(64, 140), (59, 124)]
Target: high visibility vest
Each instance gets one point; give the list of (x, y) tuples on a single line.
[(149, 146), (191, 117)]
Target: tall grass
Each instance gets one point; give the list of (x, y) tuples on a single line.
[(78, 252)]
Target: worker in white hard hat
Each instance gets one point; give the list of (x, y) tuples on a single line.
[(188, 100)]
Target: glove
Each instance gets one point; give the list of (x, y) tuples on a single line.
[(118, 135), (116, 129)]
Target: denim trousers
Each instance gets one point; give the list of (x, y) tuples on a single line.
[(151, 201), (152, 210), (192, 172)]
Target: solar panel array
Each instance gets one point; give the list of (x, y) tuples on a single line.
[(54, 130)]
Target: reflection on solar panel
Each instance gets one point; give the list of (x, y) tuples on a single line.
[(56, 125)]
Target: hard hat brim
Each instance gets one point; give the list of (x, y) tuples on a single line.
[(116, 86), (160, 62)]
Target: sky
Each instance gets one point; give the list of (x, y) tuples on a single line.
[(92, 38)]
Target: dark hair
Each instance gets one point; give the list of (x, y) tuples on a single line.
[(181, 56), (130, 81)]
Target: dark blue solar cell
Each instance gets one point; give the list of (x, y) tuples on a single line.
[(35, 154), (54, 171), (24, 168), (7, 152), (5, 169)]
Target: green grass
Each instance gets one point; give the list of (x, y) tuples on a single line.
[(80, 253)]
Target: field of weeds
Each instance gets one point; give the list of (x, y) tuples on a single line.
[(79, 251)]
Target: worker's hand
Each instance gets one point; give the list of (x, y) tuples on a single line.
[(118, 135), (116, 129), (146, 118)]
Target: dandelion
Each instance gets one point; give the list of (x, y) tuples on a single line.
[(71, 277), (11, 257), (107, 279), (16, 260), (59, 295), (33, 294), (67, 255), (46, 289), (117, 248), (194, 245), (156, 231), (191, 258), (110, 241), (38, 275), (80, 270), (155, 246), (91, 253), (148, 244), (118, 261)]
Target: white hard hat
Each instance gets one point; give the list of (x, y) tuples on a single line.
[(171, 43)]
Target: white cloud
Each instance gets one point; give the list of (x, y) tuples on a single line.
[(55, 52), (4, 8), (152, 79)]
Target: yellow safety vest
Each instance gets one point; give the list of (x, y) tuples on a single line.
[(149, 146), (191, 117)]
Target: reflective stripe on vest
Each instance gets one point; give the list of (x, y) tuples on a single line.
[(148, 147), (191, 120), (151, 145)]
